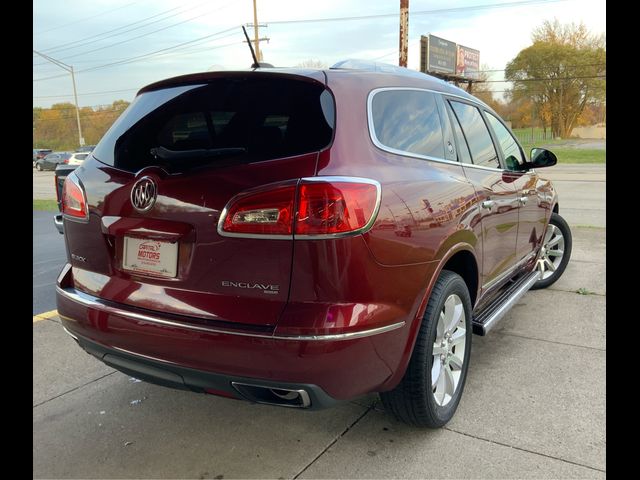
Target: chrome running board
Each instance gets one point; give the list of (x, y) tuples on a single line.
[(486, 319)]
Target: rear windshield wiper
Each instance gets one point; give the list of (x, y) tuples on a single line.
[(200, 153)]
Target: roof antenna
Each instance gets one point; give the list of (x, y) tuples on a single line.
[(253, 54)]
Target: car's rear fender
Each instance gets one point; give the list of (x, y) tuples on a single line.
[(434, 270)]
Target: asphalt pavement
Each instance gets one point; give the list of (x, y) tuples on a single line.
[(531, 407), (48, 259)]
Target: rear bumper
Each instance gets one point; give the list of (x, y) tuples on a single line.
[(166, 350), (175, 376)]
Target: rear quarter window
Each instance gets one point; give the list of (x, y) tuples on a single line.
[(407, 121)]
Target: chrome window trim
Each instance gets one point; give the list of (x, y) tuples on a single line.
[(490, 169), (96, 303), (381, 146), (482, 110), (328, 178), (386, 148), (515, 139)]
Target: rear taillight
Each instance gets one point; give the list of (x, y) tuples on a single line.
[(55, 184), (74, 202), (65, 161), (317, 207)]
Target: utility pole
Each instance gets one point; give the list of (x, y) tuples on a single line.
[(69, 69), (404, 32), (256, 34)]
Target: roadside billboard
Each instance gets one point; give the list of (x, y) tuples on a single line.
[(438, 55), (441, 55), (468, 62)]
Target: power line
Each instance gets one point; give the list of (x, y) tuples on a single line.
[(138, 57), (86, 106), (418, 12), (166, 27), (89, 93), (182, 51), (87, 18), (65, 46), (544, 79)]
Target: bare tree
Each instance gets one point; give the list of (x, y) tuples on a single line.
[(311, 63)]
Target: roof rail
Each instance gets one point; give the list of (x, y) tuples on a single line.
[(373, 66)]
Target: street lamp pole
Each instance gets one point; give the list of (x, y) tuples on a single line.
[(69, 69)]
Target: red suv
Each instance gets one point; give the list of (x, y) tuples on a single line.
[(235, 233)]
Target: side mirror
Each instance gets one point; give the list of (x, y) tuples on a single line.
[(541, 157)]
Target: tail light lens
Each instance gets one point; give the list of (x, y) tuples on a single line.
[(328, 208), (318, 207), (65, 161), (55, 184), (74, 202)]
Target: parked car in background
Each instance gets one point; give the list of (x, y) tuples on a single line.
[(77, 158), (86, 148), (230, 235), (40, 153), (52, 160)]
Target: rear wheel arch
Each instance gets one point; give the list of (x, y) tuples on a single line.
[(556, 208), (461, 256)]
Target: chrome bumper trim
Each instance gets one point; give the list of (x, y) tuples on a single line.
[(94, 302)]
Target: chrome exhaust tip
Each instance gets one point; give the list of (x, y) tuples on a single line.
[(283, 397)]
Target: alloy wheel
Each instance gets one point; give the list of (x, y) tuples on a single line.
[(448, 350), (552, 252)]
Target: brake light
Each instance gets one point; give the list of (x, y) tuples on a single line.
[(324, 207), (74, 202), (327, 208), (65, 161)]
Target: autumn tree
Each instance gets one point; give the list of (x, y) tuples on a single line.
[(57, 128), (482, 89), (560, 74)]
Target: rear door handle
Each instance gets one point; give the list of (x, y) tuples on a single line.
[(488, 204)]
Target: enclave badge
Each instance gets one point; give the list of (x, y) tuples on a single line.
[(143, 194)]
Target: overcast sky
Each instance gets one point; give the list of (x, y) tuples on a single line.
[(89, 34)]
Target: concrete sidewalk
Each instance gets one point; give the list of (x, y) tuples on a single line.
[(533, 407)]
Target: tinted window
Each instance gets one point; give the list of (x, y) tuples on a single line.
[(477, 135), (508, 145), (408, 120), (462, 148), (245, 119)]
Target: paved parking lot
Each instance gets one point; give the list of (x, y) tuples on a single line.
[(534, 403)]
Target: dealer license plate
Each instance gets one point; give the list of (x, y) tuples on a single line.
[(150, 257)]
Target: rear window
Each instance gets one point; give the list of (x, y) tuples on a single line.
[(229, 119)]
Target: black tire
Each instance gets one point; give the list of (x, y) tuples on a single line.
[(560, 223), (413, 400)]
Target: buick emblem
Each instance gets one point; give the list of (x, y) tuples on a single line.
[(143, 194)]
